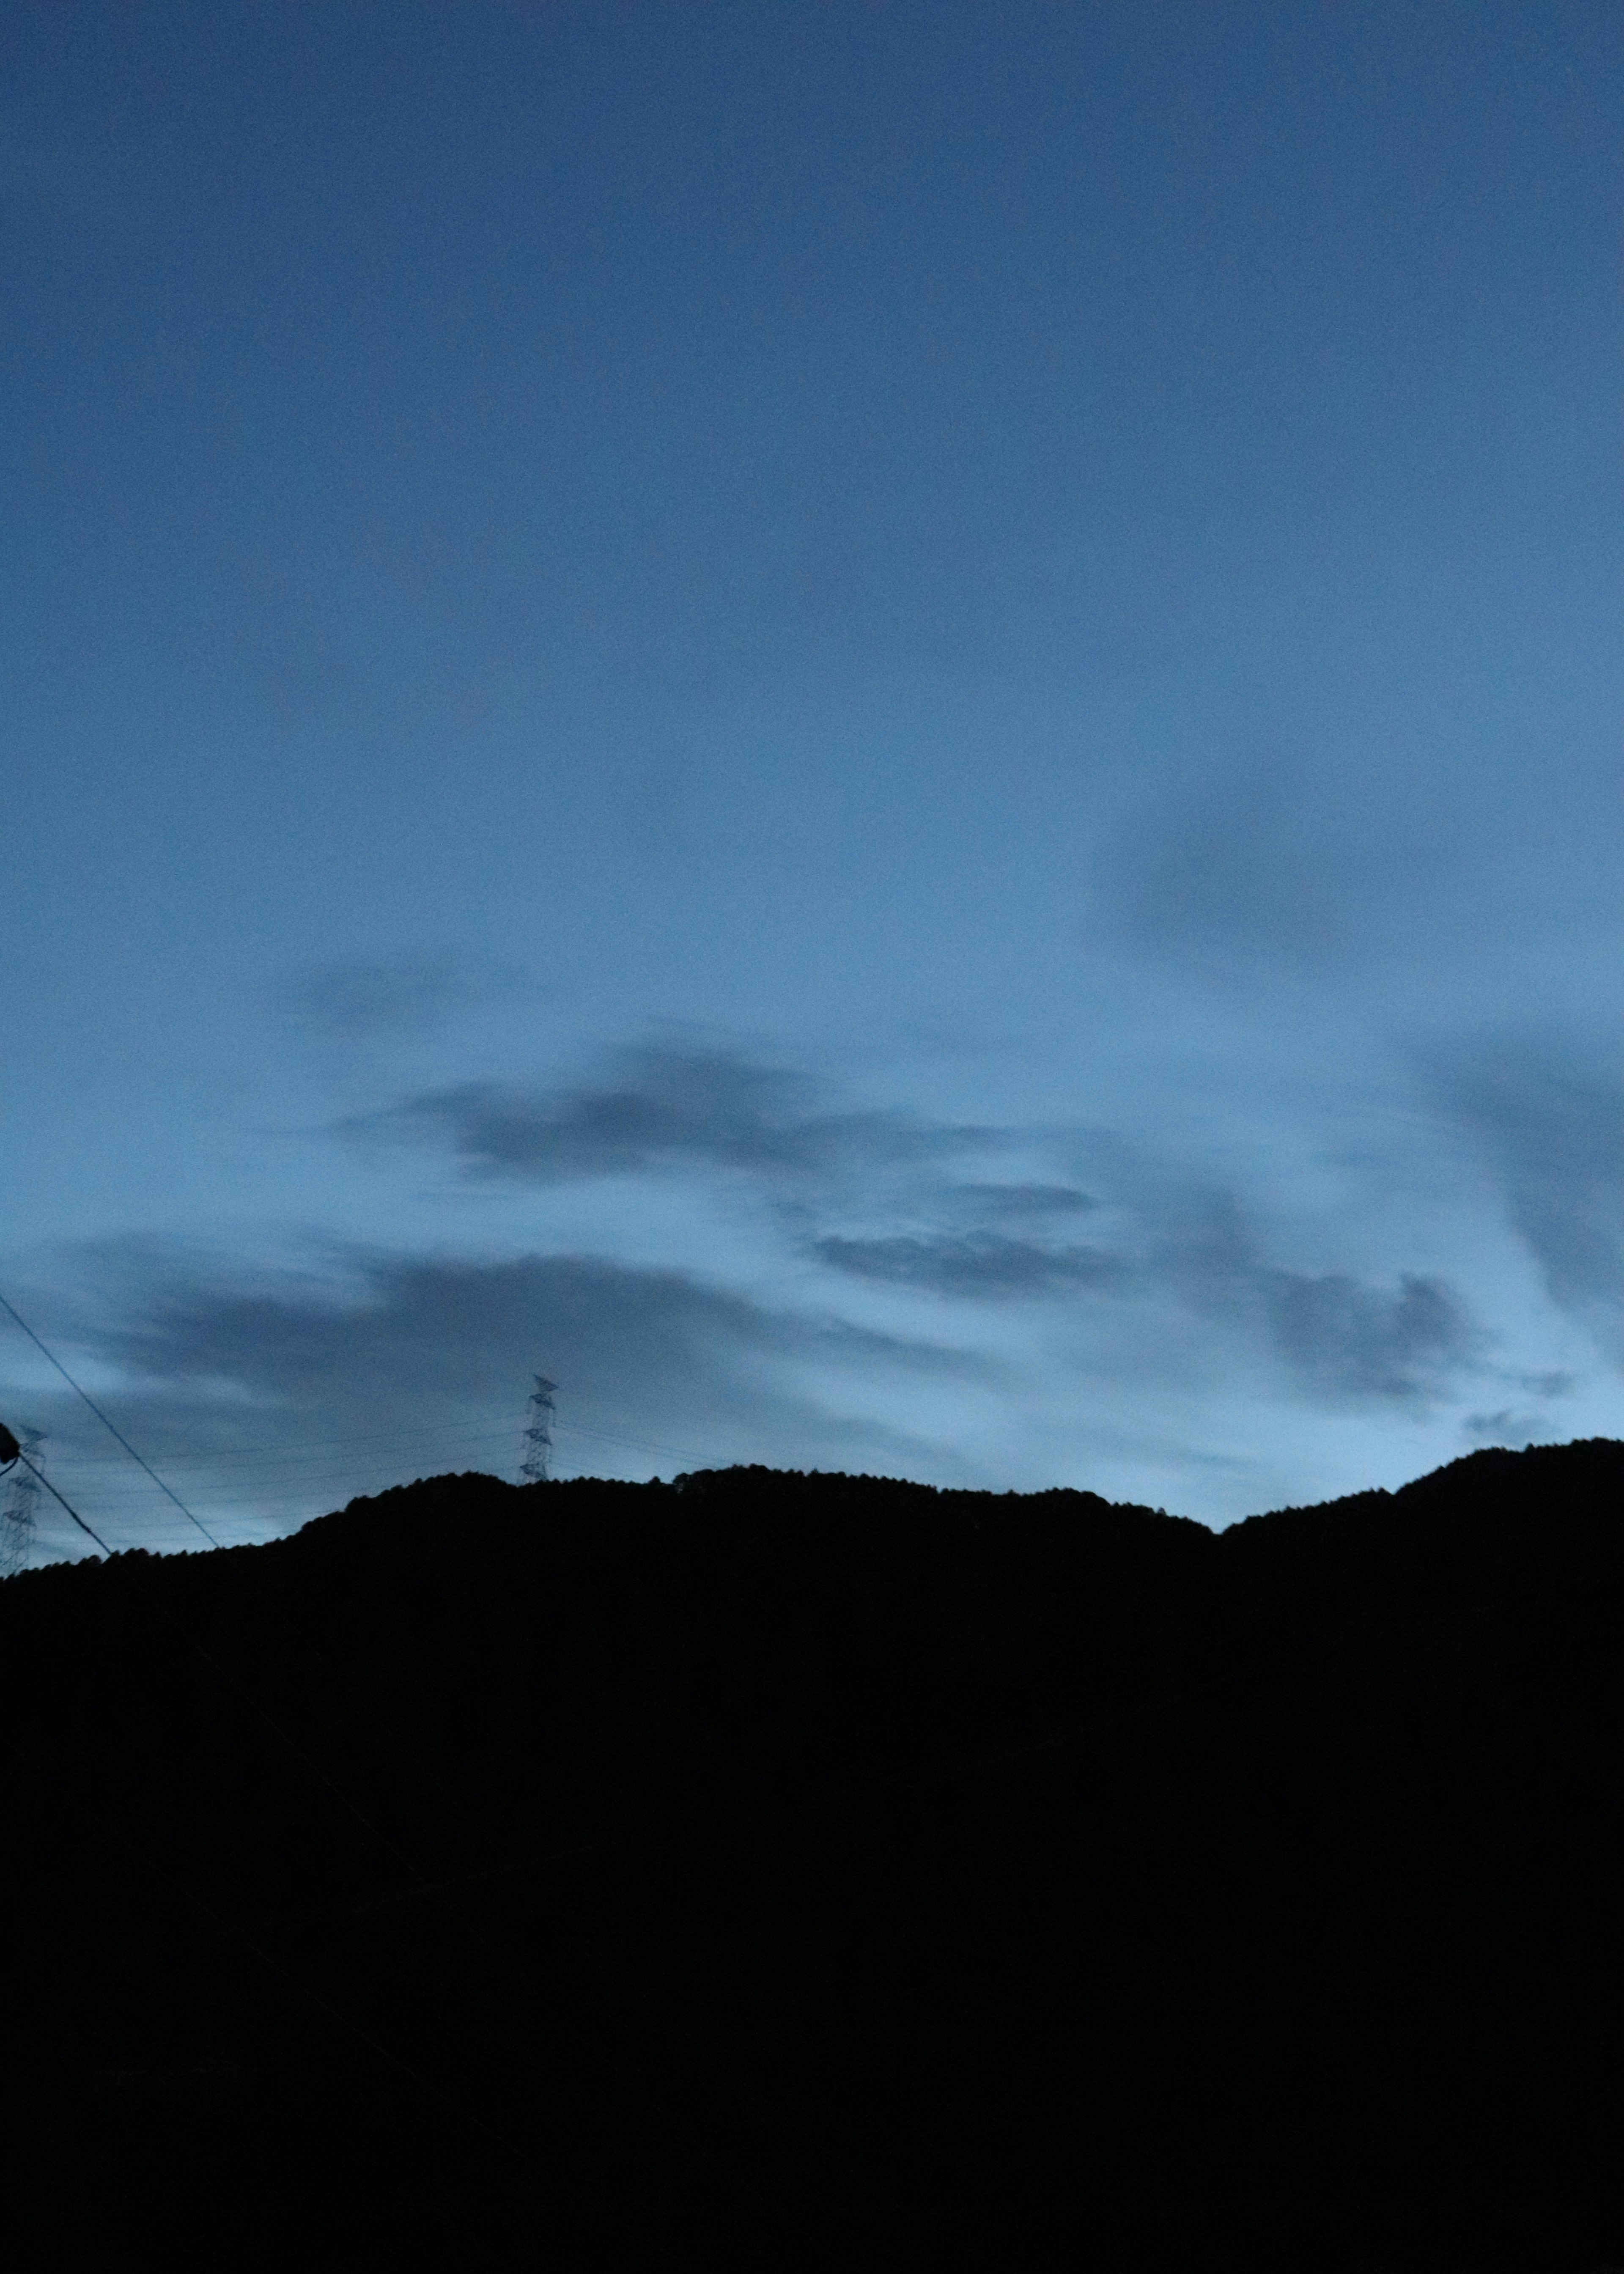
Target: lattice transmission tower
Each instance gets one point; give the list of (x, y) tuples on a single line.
[(17, 1532), (534, 1469)]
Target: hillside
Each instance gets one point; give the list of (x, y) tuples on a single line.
[(768, 1870)]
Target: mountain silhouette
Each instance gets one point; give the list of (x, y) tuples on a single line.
[(773, 1869)]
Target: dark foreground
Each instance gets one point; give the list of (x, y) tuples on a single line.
[(810, 1872)]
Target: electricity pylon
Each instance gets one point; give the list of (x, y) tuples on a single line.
[(17, 1523), (538, 1434)]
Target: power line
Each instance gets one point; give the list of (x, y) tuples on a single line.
[(232, 1684), (637, 1444), (302, 1459), (541, 1443), (451, 1432), (253, 1945), (305, 1460), (245, 1492), (297, 1465), (18, 1526), (41, 1477), (311, 1453), (106, 1425), (292, 1479)]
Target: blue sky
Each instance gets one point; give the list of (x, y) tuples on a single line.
[(891, 731)]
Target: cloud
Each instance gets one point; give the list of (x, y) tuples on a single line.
[(1345, 1341), (1342, 1340), (667, 1108), (1551, 1127), (1020, 1203), (924, 1229), (428, 1357), (434, 1328), (1238, 864), (984, 1266), (389, 1349), (358, 999), (1504, 1428), (1509, 1425), (1256, 858), (1556, 1384)]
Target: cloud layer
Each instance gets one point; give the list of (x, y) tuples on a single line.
[(882, 1200), (1551, 1124), (660, 1109), (978, 1266), (898, 1286)]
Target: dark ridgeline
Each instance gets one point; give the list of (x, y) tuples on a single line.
[(774, 1870)]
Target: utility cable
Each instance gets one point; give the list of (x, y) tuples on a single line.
[(236, 1689), (265, 1959), (80, 1391), (41, 1477), (249, 1940), (637, 1444)]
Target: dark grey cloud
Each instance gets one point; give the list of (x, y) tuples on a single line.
[(1342, 1340), (1506, 1427), (1266, 857), (1346, 1341), (1268, 852), (882, 1199), (1551, 1123), (360, 1000), (986, 1266), (1020, 1203), (394, 1365), (664, 1108), (1512, 1425), (435, 1328), (1558, 1383), (1237, 864)]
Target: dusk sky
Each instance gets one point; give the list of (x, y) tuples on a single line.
[(889, 731)]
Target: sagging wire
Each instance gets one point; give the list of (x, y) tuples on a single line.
[(80, 1391)]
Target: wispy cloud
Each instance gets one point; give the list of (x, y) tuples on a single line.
[(1019, 1203), (1342, 1339), (361, 1000), (1549, 1121), (881, 1200), (663, 1107), (401, 1331), (982, 1265), (1346, 1341), (269, 1398), (816, 1334), (1233, 866)]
